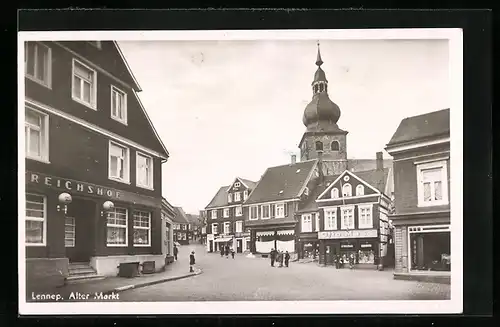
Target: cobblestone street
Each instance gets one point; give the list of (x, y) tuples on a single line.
[(247, 279)]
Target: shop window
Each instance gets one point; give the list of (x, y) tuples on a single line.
[(347, 190), (347, 221), (360, 190), (142, 228), (36, 215), (365, 216), (254, 212), (38, 63), (118, 162), (239, 211), (69, 232), (117, 227), (280, 210), (306, 226), (144, 175), (84, 88), (334, 193), (430, 251), (433, 183), (226, 212), (331, 219), (118, 105), (36, 128), (266, 211)]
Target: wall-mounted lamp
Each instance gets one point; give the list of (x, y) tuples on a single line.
[(64, 200), (107, 206)]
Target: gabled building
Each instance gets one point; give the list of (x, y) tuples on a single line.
[(226, 217), (181, 227), (93, 163), (421, 151)]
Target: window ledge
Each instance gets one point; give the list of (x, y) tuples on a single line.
[(86, 104), (145, 187), (143, 245), (433, 204), (38, 159), (117, 245), (35, 244), (36, 80), (118, 180), (124, 121)]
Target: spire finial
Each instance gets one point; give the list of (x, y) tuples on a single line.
[(319, 62)]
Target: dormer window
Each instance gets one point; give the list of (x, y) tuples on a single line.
[(347, 190), (334, 193)]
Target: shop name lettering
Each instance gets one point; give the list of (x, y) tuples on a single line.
[(72, 185), (348, 234)]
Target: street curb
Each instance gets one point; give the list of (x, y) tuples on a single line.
[(153, 282)]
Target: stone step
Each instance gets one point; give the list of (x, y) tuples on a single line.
[(83, 278), (77, 265), (81, 271)]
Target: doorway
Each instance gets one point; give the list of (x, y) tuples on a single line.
[(211, 245), (239, 246), (78, 230)]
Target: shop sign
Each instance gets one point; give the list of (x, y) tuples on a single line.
[(346, 245), (366, 245), (246, 234), (361, 233)]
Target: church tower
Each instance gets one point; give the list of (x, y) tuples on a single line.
[(323, 139)]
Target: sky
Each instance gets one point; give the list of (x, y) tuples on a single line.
[(227, 109)]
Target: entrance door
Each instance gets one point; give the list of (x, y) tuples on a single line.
[(239, 246), (78, 230), (211, 246)]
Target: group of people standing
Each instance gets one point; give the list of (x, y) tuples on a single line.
[(278, 257), (225, 250)]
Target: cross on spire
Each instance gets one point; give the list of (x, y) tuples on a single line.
[(319, 62)]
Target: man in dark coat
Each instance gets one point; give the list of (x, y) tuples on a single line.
[(176, 251), (221, 251), (227, 251), (272, 254), (191, 262), (287, 258)]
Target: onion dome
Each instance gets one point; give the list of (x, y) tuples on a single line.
[(321, 114)]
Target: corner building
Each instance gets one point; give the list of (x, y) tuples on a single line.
[(93, 163)]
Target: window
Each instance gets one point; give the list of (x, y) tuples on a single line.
[(335, 146), (365, 216), (84, 84), (142, 228), (306, 223), (118, 162), (36, 214), (237, 196), (360, 190), (226, 227), (214, 229), (433, 183), (226, 212), (144, 170), (229, 198), (266, 211), (239, 211), (254, 212), (334, 193), (214, 214), (319, 146), (331, 219), (38, 63), (347, 190), (316, 223), (118, 105), (117, 227), (245, 194), (69, 232), (280, 210), (347, 217), (237, 184), (239, 226), (36, 129)]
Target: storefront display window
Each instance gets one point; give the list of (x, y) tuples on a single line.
[(430, 251)]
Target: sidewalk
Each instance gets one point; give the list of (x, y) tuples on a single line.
[(85, 290)]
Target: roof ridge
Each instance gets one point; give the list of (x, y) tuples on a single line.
[(426, 113)]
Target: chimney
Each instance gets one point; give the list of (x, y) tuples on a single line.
[(294, 159), (380, 161)]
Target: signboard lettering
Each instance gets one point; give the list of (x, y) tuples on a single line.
[(360, 233)]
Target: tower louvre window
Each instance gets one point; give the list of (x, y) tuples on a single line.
[(319, 146), (335, 146)]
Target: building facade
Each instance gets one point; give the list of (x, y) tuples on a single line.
[(421, 151), (93, 162), (225, 217), (167, 217), (181, 227)]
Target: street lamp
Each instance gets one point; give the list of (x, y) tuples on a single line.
[(64, 199), (107, 206)]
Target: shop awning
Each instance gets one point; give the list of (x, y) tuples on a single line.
[(286, 232), (223, 240), (265, 233)]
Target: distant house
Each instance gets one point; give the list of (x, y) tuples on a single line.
[(226, 217), (421, 151), (195, 225), (181, 227)]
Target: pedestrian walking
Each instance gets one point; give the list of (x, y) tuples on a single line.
[(192, 262), (176, 251), (272, 254), (287, 258), (351, 261), (280, 259), (221, 251), (337, 261), (227, 251), (232, 253)]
